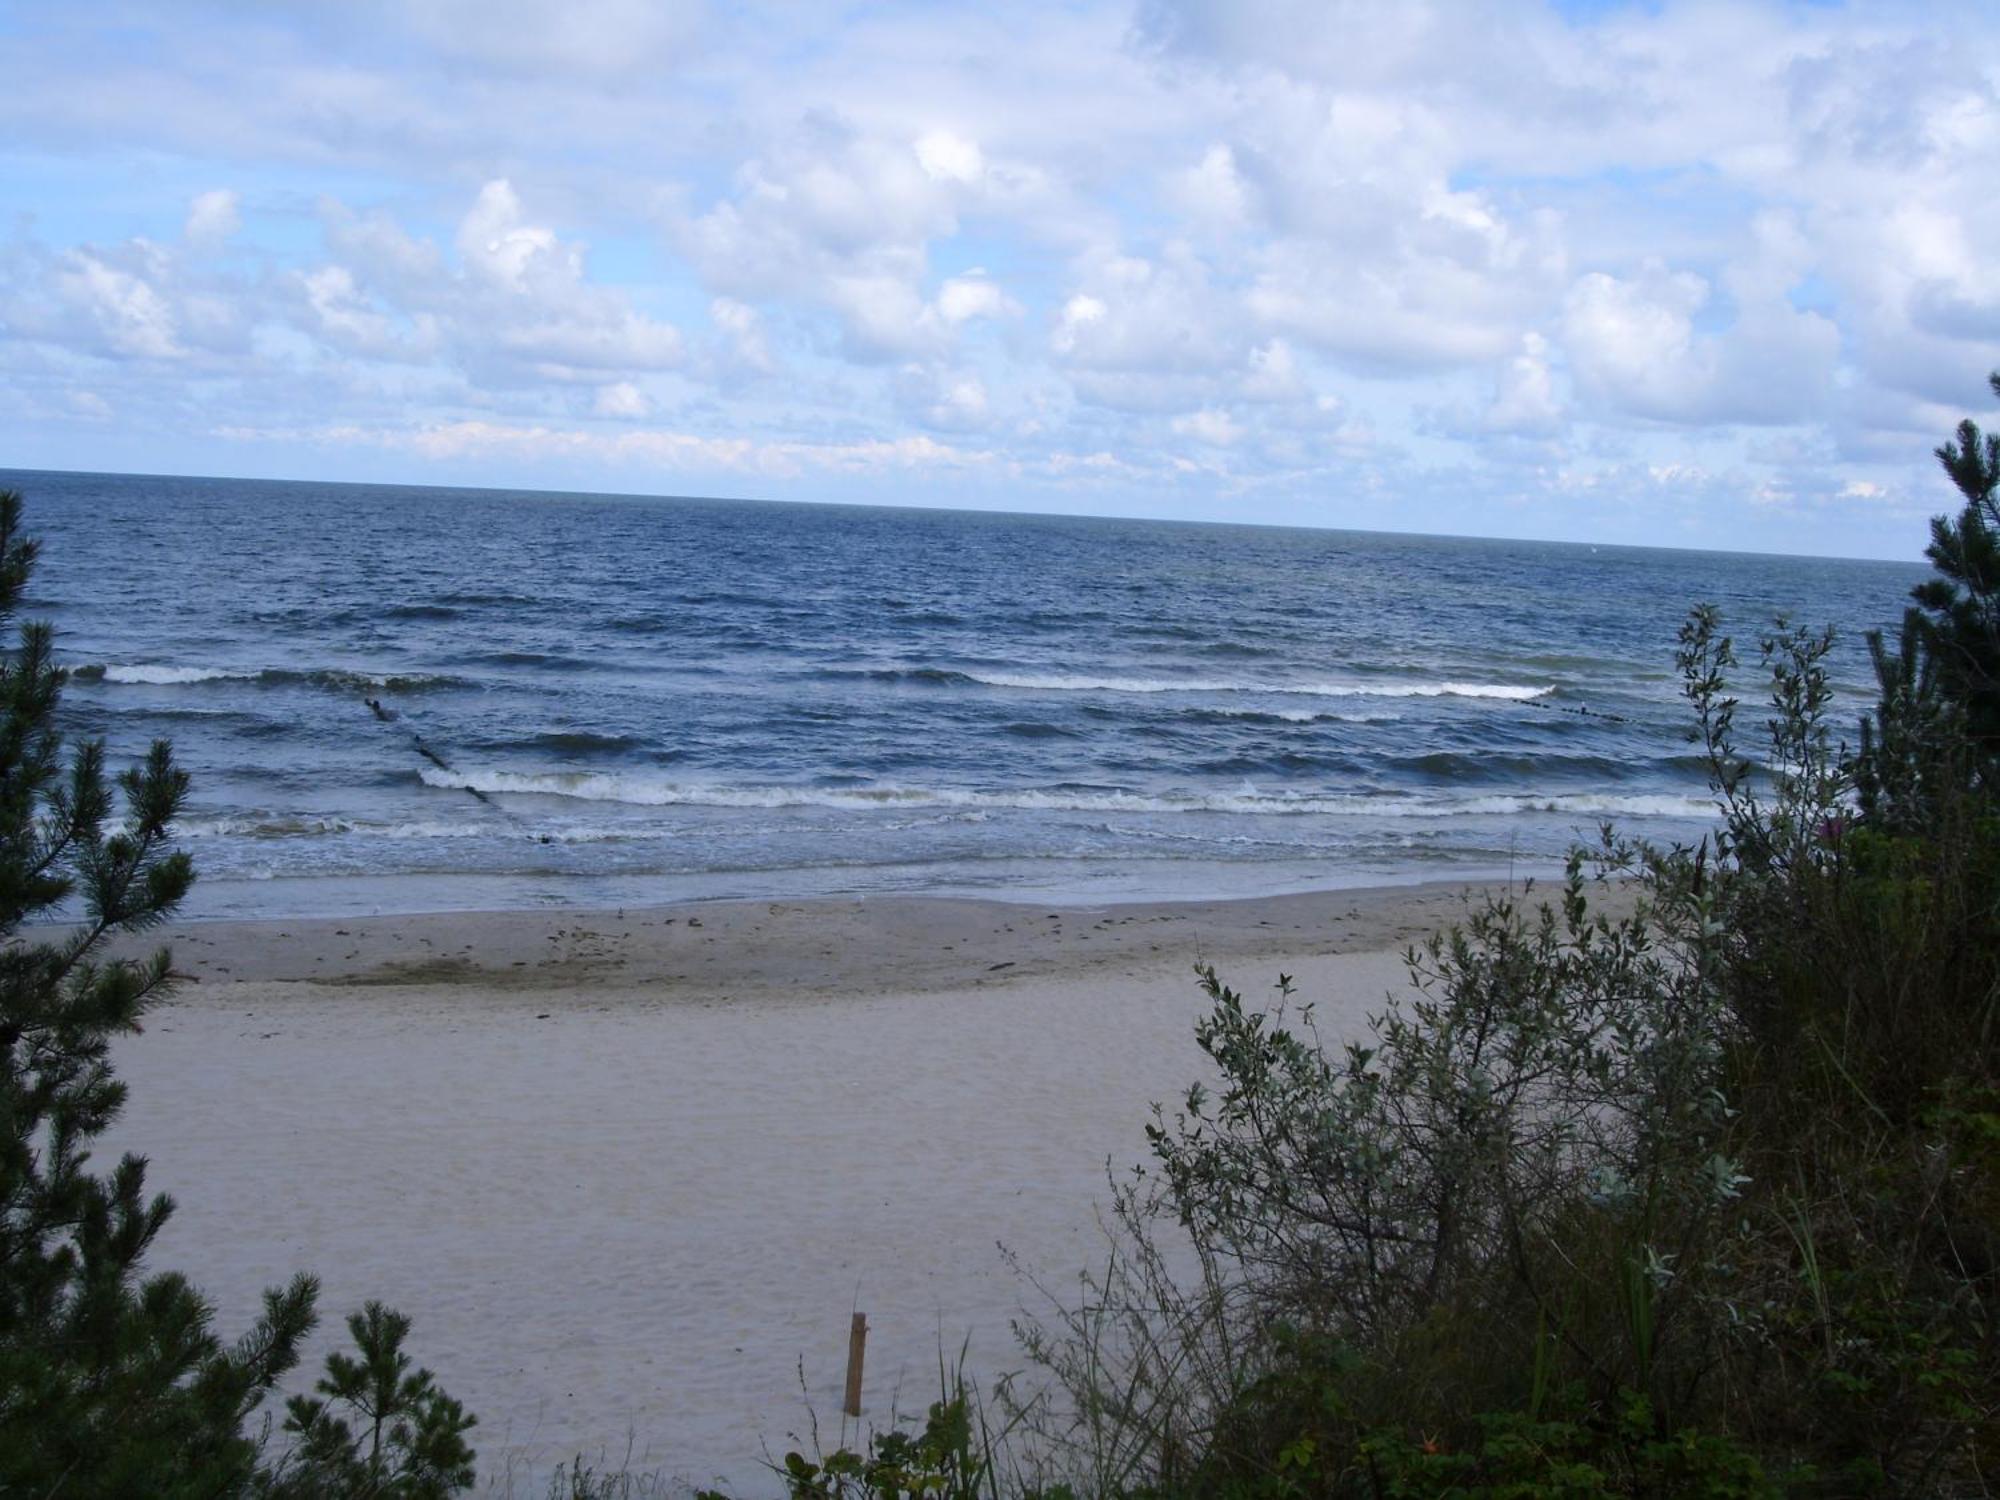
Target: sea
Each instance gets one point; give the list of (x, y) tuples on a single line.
[(396, 698)]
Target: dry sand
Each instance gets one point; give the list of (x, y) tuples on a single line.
[(632, 1171)]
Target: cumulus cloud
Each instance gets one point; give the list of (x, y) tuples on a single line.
[(137, 301), (1213, 191), (127, 311), (745, 349), (1273, 374), (1635, 348), (1525, 400), (622, 399), (944, 399), (1434, 280), (1149, 316), (964, 298), (844, 219), (950, 158), (1217, 429), (518, 303), (212, 218)]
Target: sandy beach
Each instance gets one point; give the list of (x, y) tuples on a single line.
[(632, 1171)]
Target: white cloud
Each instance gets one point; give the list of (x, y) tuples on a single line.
[(843, 219), (1632, 341), (128, 312), (498, 246), (212, 218), (520, 303), (1213, 190), (1078, 313), (621, 399), (1215, 428), (1634, 347), (950, 158), (1430, 281), (964, 298), (355, 323), (945, 400), (1151, 316), (1274, 374), (1525, 401), (746, 349), (670, 450)]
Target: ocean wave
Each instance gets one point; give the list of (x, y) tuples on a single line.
[(1207, 714), (334, 679), (552, 659), (480, 596), (1063, 682), (328, 827), (640, 790), (143, 672), (581, 741), (1059, 682), (1034, 729), (927, 676)]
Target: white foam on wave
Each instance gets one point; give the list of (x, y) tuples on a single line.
[(1306, 715), (342, 679), (649, 791), (143, 672), (1065, 683), (217, 828), (307, 827)]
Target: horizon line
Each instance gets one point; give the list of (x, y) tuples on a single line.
[(890, 505)]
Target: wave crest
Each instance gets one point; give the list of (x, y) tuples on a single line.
[(333, 679), (1064, 682), (648, 791)]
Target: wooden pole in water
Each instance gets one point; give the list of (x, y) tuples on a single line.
[(857, 1339)]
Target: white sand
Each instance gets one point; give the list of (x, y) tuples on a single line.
[(623, 1210)]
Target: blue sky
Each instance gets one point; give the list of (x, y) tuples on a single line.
[(1713, 275)]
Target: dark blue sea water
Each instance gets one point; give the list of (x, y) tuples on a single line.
[(667, 698)]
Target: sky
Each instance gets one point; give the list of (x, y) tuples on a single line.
[(1701, 275)]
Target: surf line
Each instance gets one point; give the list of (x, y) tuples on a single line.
[(417, 740)]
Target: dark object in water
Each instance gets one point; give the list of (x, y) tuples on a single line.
[(442, 764), (385, 715)]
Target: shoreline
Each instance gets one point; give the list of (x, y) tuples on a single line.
[(829, 946), (630, 1174), (1118, 883)]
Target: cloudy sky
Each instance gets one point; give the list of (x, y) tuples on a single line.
[(1691, 274)]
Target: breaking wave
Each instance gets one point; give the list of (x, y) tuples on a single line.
[(1062, 682), (649, 791), (143, 672), (305, 828), (333, 679)]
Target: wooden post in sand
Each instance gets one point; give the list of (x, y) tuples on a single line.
[(857, 1339)]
